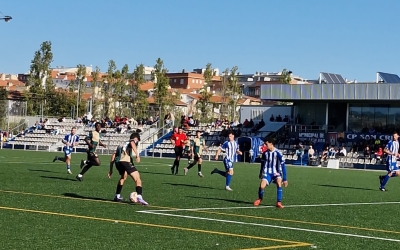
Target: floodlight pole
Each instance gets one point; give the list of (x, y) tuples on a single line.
[(77, 102)]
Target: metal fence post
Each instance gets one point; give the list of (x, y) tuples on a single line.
[(109, 142), (152, 138)]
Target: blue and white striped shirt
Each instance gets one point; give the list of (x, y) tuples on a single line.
[(393, 147), (230, 148), (71, 139), (273, 163)]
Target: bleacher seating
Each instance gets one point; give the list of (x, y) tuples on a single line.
[(42, 139), (351, 160), (111, 138), (164, 147), (46, 140)]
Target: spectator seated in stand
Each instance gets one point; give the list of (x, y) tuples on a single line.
[(343, 152), (311, 152), (332, 153)]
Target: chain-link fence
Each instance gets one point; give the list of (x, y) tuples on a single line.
[(14, 117)]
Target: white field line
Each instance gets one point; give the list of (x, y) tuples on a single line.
[(31, 162), (59, 162), (286, 206), (330, 169), (271, 226)]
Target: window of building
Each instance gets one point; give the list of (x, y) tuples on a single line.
[(380, 118), (309, 112), (174, 80), (182, 81)]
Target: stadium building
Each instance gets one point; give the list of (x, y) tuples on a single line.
[(353, 111)]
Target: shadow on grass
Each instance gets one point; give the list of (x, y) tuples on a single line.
[(346, 187), (187, 185), (42, 170), (57, 178), (220, 199), (77, 196), (157, 173)]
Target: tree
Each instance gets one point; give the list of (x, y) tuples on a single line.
[(231, 93), (119, 89), (170, 107), (286, 79), (78, 84), (224, 93), (233, 81), (204, 104), (234, 91), (106, 88), (39, 81), (63, 101), (138, 96), (3, 107), (161, 85), (96, 96), (114, 89)]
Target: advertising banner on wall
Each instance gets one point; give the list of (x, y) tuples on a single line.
[(354, 137), (311, 136), (332, 136)]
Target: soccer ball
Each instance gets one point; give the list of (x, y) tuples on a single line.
[(133, 197)]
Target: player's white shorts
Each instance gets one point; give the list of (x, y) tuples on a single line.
[(270, 178), (228, 164), (67, 151), (391, 167)]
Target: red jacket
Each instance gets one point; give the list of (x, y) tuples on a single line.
[(179, 139)]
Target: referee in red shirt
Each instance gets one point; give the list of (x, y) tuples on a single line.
[(178, 140)]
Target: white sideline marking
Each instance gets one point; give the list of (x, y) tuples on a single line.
[(316, 167), (271, 226), (50, 163), (24, 162), (286, 206)]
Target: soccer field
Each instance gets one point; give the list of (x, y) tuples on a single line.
[(42, 207)]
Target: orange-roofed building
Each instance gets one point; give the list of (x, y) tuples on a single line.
[(147, 86), (183, 107), (9, 83), (184, 80)]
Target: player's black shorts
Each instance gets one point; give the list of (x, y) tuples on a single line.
[(91, 156), (197, 157), (178, 151), (123, 167), (186, 151)]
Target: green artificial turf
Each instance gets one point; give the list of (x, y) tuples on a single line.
[(43, 207)]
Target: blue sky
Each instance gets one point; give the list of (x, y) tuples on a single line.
[(352, 38)]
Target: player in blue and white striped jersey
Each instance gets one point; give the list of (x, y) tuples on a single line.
[(392, 151), (231, 148), (70, 140), (273, 170)]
